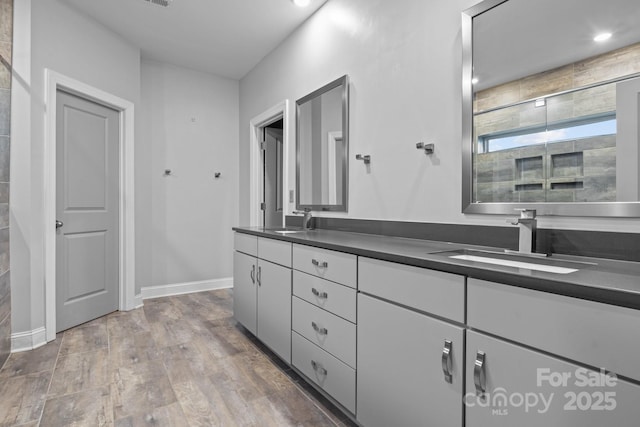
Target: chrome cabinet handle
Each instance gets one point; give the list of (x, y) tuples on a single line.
[(479, 375), (318, 368), (321, 331), (259, 278), (323, 295), (447, 362), (253, 274), (323, 264)]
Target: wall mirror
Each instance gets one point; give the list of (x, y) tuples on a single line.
[(551, 93), (322, 147)]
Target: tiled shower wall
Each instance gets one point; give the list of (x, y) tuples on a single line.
[(6, 37)]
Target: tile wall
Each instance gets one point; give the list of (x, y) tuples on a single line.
[(6, 36)]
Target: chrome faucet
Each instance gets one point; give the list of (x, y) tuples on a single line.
[(527, 224), (307, 220)]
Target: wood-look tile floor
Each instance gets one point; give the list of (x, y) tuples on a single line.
[(178, 361)]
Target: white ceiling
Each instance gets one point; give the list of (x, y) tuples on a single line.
[(223, 37)]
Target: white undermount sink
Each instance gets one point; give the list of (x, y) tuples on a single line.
[(285, 230), (516, 261)]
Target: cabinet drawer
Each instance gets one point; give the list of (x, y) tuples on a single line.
[(327, 372), (427, 290), (327, 331), (331, 265), (338, 299), (276, 251), (596, 334), (245, 243)]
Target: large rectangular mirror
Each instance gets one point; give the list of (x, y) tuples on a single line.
[(322, 147), (550, 107)]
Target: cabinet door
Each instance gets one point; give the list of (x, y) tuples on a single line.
[(244, 290), (525, 388), (400, 374), (274, 307)]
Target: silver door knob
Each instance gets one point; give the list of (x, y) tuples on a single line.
[(59, 223)]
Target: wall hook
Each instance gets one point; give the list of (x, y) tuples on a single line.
[(167, 172), (428, 148), (217, 174), (366, 158)]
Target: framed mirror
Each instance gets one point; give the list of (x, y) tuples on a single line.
[(550, 107), (322, 147)]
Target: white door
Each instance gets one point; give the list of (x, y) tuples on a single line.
[(87, 210)]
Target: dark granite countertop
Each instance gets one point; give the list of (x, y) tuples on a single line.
[(597, 279)]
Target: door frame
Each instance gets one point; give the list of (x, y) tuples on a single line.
[(55, 81), (277, 112)]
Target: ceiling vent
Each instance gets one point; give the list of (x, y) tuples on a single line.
[(164, 3)]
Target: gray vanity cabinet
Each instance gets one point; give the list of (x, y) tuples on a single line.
[(274, 307), (323, 321), (410, 363), (262, 291), (400, 345), (543, 357), (526, 388), (245, 296), (401, 381)]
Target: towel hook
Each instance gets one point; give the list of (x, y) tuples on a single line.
[(366, 158)]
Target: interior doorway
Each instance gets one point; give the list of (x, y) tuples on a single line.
[(126, 198), (269, 169), (272, 145)]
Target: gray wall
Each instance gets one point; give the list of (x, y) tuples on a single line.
[(404, 62), (6, 33), (189, 124)]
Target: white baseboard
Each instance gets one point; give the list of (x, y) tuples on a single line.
[(137, 301), (185, 288), (23, 341)]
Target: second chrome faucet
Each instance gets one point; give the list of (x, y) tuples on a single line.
[(527, 223), (307, 220)]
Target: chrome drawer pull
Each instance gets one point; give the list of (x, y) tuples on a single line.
[(318, 368), (321, 331), (479, 375), (323, 295), (323, 264), (447, 362), (253, 274), (258, 279)]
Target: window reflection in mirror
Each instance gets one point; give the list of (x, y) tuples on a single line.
[(554, 149), (322, 148), (552, 120)]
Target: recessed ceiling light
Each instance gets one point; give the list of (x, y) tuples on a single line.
[(301, 3), (602, 37), (474, 80)]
